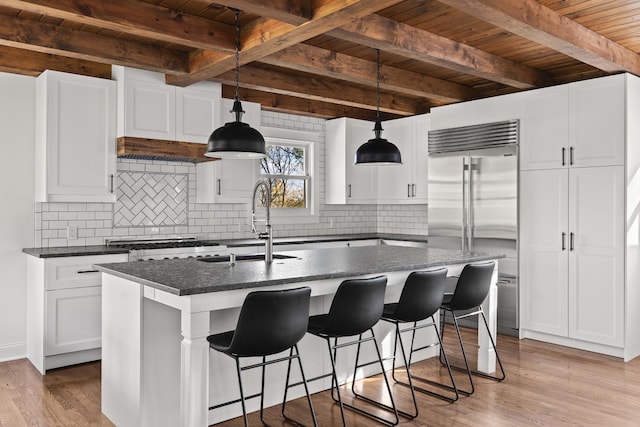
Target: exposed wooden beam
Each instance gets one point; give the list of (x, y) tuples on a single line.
[(293, 12), (402, 39), (53, 39), (538, 23), (266, 36), (19, 61), (321, 90), (139, 18), (293, 105), (315, 60)]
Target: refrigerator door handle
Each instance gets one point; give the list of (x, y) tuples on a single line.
[(470, 218), (564, 236), (465, 220)]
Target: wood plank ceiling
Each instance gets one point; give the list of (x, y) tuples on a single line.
[(317, 57)]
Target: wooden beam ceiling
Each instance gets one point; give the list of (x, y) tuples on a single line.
[(291, 12), (53, 39), (138, 18), (405, 40), (31, 63), (310, 59), (265, 36), (533, 21), (321, 90)]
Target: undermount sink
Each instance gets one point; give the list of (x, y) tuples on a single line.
[(252, 257)]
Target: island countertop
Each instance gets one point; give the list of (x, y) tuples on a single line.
[(190, 276)]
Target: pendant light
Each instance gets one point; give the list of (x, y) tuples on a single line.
[(378, 151), (236, 140)]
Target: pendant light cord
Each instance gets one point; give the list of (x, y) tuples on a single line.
[(237, 12), (378, 84)]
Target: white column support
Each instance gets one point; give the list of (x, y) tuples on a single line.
[(194, 378), (486, 354)]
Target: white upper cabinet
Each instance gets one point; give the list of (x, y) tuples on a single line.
[(229, 180), (75, 138), (345, 182), (597, 122), (149, 108), (544, 128), (580, 124), (406, 183)]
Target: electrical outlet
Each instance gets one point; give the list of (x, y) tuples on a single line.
[(331, 223), (72, 233)]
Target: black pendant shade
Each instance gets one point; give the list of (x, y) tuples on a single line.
[(235, 139), (378, 151)]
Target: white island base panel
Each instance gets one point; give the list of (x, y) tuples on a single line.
[(157, 369)]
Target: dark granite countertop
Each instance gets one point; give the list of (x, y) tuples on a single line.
[(189, 276), (67, 251)]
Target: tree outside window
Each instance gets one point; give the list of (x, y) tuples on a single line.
[(285, 169)]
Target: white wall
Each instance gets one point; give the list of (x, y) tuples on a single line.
[(17, 121)]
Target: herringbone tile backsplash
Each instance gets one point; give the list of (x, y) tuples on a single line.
[(151, 199)]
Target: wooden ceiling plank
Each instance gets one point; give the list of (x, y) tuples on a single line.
[(266, 36), (52, 39), (293, 105), (291, 12), (138, 18), (315, 60), (401, 39), (535, 22), (321, 90), (19, 61)]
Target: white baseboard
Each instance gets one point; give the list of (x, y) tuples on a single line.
[(13, 351)]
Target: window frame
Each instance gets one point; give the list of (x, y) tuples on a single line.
[(309, 141)]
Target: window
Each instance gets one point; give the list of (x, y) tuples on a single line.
[(285, 168), (289, 169)]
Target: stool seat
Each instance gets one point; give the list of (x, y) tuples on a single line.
[(221, 342)]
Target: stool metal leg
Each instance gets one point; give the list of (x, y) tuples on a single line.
[(244, 409), (334, 379), (306, 388)]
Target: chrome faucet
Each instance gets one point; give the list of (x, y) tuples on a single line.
[(267, 235)]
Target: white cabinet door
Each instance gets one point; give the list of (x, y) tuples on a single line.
[(362, 180), (73, 319), (597, 121), (395, 182), (596, 262), (543, 251), (544, 128), (229, 180), (76, 121), (197, 112), (420, 161), (150, 110)]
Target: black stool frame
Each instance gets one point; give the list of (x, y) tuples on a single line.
[(470, 274)]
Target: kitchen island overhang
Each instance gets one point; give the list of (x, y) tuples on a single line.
[(157, 315)]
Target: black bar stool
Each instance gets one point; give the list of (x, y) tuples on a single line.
[(355, 309), (270, 322), (420, 299), (471, 290)]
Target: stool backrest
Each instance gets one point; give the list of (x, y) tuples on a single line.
[(356, 306), (473, 286), (421, 295), (271, 322)]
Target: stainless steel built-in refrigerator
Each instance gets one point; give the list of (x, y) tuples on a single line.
[(473, 200)]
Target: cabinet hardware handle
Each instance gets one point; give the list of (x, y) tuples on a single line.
[(413, 190), (408, 190), (111, 183), (563, 152), (349, 191), (564, 235), (88, 271), (219, 188), (571, 241), (570, 155)]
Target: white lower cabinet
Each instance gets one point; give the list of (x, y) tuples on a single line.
[(64, 309), (572, 256)]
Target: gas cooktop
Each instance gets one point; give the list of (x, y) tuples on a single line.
[(187, 242)]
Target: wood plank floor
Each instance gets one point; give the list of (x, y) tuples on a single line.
[(546, 385)]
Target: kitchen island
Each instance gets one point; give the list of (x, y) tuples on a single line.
[(156, 315)]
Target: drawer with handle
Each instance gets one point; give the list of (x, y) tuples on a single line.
[(77, 272)]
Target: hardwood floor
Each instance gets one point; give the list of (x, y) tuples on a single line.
[(546, 385)]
